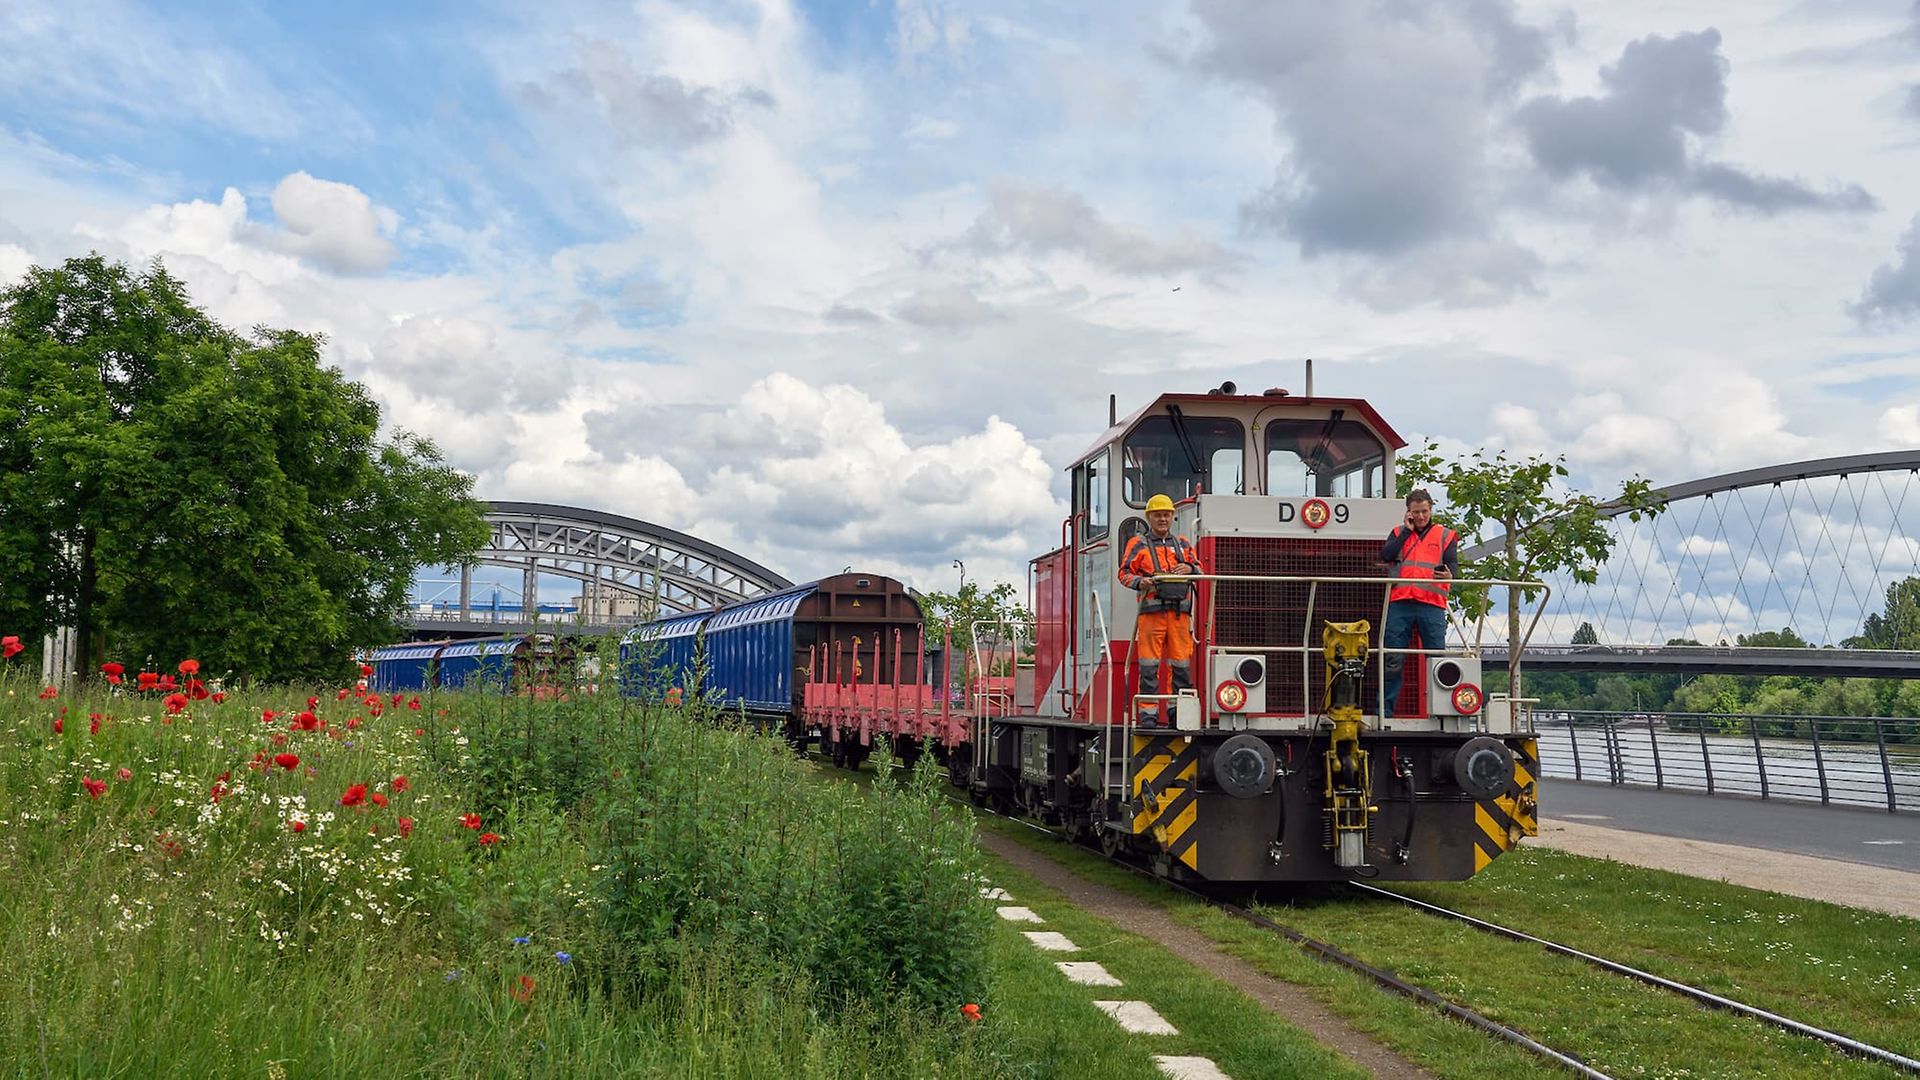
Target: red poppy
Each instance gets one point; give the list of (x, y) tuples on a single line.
[(366, 669), (414, 704), (401, 783), (95, 788), (406, 827), (219, 789), (297, 825), (267, 715), (523, 989), (189, 667), (419, 731), (313, 703), (288, 762), (113, 671), (10, 646), (148, 680), (353, 723), (166, 683), (471, 821), (93, 723), (360, 686), (354, 795), (219, 696), (971, 1012), (342, 695), (175, 703), (378, 799), (49, 693), (488, 839), (196, 689), (397, 698), (125, 774), (59, 726), (306, 721), (374, 709)]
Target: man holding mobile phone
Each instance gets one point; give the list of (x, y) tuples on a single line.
[(1429, 554)]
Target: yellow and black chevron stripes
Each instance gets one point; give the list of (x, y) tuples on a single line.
[(1501, 822), (1166, 794)]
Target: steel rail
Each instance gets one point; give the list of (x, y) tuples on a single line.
[(1693, 993), (1327, 953)]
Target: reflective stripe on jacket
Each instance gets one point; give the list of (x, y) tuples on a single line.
[(1420, 556), (1148, 555)]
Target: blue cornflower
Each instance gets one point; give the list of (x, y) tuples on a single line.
[(564, 957), (520, 941), (453, 975)]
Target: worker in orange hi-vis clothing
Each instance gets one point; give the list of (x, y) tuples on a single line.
[(1163, 634)]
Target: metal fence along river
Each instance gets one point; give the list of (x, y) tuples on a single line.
[(1831, 760)]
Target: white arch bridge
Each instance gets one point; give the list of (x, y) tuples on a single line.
[(624, 569), (1819, 548)]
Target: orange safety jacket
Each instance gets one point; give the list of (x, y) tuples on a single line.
[(1147, 555), (1420, 556)]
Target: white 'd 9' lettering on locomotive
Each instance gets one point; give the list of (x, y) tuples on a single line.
[(1314, 512)]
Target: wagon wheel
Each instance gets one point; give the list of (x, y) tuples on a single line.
[(1111, 842), (837, 751)]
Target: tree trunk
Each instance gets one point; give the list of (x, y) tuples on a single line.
[(1514, 689)]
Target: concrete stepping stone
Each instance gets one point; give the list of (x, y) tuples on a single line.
[(1050, 941), (1019, 914), (1087, 974), (1137, 1017), (994, 894), (1189, 1068)]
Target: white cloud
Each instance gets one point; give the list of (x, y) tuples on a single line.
[(331, 223), (14, 261), (1900, 426)]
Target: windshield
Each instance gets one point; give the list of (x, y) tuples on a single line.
[(1330, 456), (1158, 463)]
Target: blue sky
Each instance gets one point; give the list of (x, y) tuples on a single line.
[(774, 272)]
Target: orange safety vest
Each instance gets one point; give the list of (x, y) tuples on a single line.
[(1419, 558), (1148, 555)]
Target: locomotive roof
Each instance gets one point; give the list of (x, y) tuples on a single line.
[(1159, 404)]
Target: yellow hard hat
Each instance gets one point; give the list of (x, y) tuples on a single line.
[(1159, 502)]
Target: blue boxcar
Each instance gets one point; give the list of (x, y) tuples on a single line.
[(750, 651), (756, 651), (403, 667), (660, 654), (479, 664)]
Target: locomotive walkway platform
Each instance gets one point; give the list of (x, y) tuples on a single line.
[(1860, 858)]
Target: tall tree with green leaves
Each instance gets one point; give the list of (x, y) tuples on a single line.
[(959, 612), (171, 487), (1545, 526), (1898, 626)]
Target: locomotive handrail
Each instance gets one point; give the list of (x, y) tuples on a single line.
[(1313, 583)]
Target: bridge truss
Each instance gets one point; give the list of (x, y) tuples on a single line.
[(626, 569), (1811, 546)]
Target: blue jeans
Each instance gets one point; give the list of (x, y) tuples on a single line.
[(1404, 618)]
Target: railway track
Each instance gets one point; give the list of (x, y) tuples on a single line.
[(1393, 983), (1693, 993)]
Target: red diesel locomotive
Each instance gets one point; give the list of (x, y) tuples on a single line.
[(1282, 763)]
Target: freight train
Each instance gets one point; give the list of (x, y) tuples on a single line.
[(1283, 764)]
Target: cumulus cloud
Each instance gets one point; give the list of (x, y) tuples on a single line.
[(1661, 98), (1043, 221), (333, 224), (1900, 425), (1893, 292), (14, 261)]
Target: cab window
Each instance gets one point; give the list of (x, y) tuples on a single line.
[(1330, 457), (1159, 461), (1092, 482)]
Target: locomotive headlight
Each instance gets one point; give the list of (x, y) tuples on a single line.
[(1251, 670), (1244, 766), (1231, 696), (1467, 699), (1483, 767)]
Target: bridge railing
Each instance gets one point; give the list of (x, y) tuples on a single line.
[(1861, 761)]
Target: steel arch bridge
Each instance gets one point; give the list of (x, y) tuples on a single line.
[(1811, 546), (627, 570)]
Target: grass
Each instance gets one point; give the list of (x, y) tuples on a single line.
[(177, 924), (1854, 970)]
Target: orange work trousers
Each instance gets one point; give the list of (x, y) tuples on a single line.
[(1163, 644)]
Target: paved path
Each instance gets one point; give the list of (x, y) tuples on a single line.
[(1873, 837)]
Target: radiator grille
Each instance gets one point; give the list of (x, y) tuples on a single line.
[(1273, 613)]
